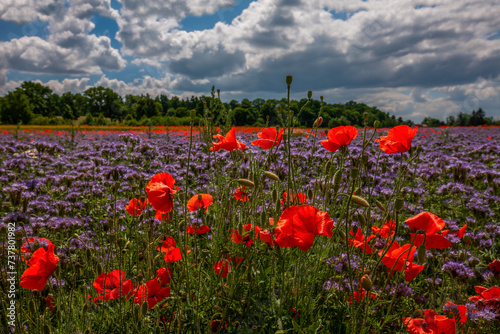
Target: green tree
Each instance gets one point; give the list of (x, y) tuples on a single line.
[(39, 97), (105, 101), (148, 107), (16, 107)]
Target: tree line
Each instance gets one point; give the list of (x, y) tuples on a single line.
[(36, 104), (477, 117)]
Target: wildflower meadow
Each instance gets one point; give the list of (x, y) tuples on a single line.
[(276, 229)]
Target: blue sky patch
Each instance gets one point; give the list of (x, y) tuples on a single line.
[(105, 27), (10, 30)]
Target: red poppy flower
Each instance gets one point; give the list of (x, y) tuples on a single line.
[(267, 237), (112, 285), (295, 199), (397, 256), (172, 253), (135, 206), (247, 237), (430, 224), (161, 190), (228, 143), (339, 136), (41, 265), (359, 241), (151, 292), (412, 270), (398, 139), (193, 229), (240, 194), (33, 244), (268, 137), (387, 230), (485, 294), (164, 275), (495, 267), (433, 323), (298, 225), (224, 267), (360, 295), (426, 221), (199, 201)]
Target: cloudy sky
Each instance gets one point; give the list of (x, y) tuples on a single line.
[(411, 58)]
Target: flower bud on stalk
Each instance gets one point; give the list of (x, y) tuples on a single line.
[(192, 114), (366, 283), (277, 206), (337, 177), (341, 235), (421, 254), (309, 94), (274, 195), (246, 182), (144, 308), (262, 218), (318, 122), (289, 80), (376, 124), (310, 194), (398, 205), (361, 219), (31, 307), (354, 172), (380, 206), (360, 201), (271, 176)]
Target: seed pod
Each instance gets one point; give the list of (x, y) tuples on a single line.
[(309, 94), (341, 235), (277, 206), (32, 308), (289, 79), (398, 205), (360, 201), (274, 195), (354, 172), (246, 182), (361, 219), (262, 218), (380, 206), (421, 254), (310, 194), (271, 176), (337, 177), (376, 124), (328, 166), (144, 308), (336, 188), (366, 282)]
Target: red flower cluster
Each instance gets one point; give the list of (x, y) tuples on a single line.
[(228, 143), (387, 230), (248, 238), (161, 190), (398, 139), (240, 194), (432, 323), (151, 292), (295, 199), (42, 264), (193, 229), (112, 285), (298, 225), (268, 137), (339, 136), (172, 253), (359, 241)]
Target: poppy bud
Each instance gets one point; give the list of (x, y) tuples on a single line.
[(262, 217), (310, 194), (466, 239), (380, 206), (462, 256), (341, 235), (277, 206), (309, 94), (354, 172), (289, 79), (366, 282), (274, 195), (337, 177), (366, 115), (318, 122), (328, 165), (246, 182), (89, 254), (192, 114), (376, 124), (473, 262), (271, 176), (361, 219), (365, 159), (421, 254), (31, 307), (360, 201), (336, 188), (99, 268), (144, 309), (398, 205)]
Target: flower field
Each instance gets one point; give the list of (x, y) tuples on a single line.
[(250, 230)]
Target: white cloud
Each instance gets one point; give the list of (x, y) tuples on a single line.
[(26, 11)]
